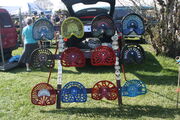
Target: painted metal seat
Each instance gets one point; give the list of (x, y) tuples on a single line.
[(133, 24), (73, 57), (43, 94), (42, 57), (43, 29), (72, 26), (104, 89), (133, 88), (103, 55), (73, 92)]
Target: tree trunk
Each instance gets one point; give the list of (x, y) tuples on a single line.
[(167, 42)]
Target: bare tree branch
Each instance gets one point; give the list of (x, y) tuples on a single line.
[(161, 2)]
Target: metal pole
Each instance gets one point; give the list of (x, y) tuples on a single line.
[(178, 89), (115, 47), (59, 85), (20, 25), (59, 79), (2, 51)]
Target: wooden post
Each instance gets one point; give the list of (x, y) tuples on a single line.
[(115, 47)]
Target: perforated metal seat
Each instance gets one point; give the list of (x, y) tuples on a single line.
[(43, 94), (103, 55), (73, 57), (104, 89), (73, 92), (133, 88)]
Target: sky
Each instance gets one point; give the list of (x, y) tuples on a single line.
[(57, 3), (23, 3)]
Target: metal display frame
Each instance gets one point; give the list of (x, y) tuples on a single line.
[(87, 54), (89, 90)]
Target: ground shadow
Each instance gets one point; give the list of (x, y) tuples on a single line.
[(164, 96), (124, 112), (95, 69), (54, 70), (23, 69), (157, 79), (150, 64)]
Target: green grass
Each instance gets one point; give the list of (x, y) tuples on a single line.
[(159, 74)]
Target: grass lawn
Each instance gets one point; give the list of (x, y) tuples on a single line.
[(159, 74)]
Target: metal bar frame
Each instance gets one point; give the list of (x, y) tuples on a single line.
[(89, 90)]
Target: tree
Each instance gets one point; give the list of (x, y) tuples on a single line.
[(165, 36), (45, 4)]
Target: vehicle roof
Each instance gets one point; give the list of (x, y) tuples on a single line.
[(86, 1), (3, 10)]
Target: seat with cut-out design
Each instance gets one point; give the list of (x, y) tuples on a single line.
[(73, 92), (133, 88), (133, 24), (73, 57), (43, 28), (103, 26), (72, 26), (103, 55), (43, 94), (42, 57), (104, 89)]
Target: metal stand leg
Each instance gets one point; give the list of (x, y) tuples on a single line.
[(115, 47), (119, 92), (59, 79), (178, 89), (58, 102)]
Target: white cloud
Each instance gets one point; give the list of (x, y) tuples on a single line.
[(14, 2)]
